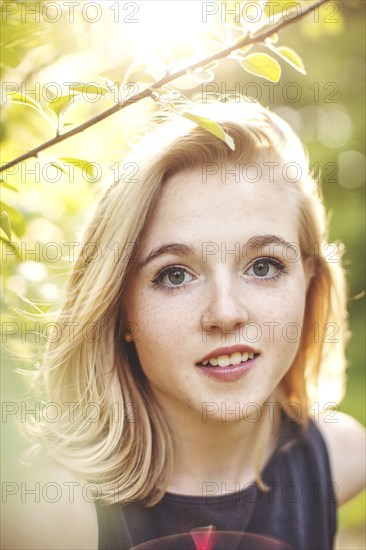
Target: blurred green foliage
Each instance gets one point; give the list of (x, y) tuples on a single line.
[(49, 198)]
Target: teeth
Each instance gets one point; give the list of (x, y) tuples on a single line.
[(228, 360), (236, 358), (223, 361)]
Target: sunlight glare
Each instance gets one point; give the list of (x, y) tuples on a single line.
[(168, 30), (168, 24)]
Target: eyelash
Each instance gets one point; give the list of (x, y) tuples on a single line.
[(157, 281), (272, 261)]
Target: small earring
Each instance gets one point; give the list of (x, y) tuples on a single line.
[(128, 337)]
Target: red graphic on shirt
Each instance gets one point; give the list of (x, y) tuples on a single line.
[(204, 537)]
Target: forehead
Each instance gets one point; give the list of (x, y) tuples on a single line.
[(225, 206)]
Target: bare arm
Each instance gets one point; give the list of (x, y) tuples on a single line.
[(346, 444)]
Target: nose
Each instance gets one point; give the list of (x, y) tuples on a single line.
[(225, 310)]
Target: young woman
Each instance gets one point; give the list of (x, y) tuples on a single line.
[(192, 360)]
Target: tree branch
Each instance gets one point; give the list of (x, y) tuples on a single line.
[(149, 92)]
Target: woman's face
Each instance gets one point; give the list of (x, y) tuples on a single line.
[(218, 293)]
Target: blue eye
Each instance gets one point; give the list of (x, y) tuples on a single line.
[(173, 277), (265, 268)]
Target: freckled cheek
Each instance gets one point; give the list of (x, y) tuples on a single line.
[(162, 327), (281, 326), (292, 310), (283, 308)]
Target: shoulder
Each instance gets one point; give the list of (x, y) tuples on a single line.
[(46, 506), (346, 443)]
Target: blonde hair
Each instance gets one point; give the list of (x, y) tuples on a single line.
[(129, 459)]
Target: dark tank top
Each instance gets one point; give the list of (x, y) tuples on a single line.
[(299, 507)]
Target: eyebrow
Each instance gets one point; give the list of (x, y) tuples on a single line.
[(170, 248), (260, 241), (180, 249)]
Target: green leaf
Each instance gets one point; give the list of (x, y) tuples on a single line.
[(13, 246), (17, 220), (55, 165), (292, 58), (25, 100), (116, 74), (84, 165), (137, 73), (3, 240), (273, 39), (29, 102), (61, 103), (10, 57), (8, 185), (263, 65), (90, 89), (5, 224), (212, 127), (214, 36)]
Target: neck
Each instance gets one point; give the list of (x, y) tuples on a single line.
[(221, 454)]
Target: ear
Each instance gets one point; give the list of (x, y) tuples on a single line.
[(309, 270)]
